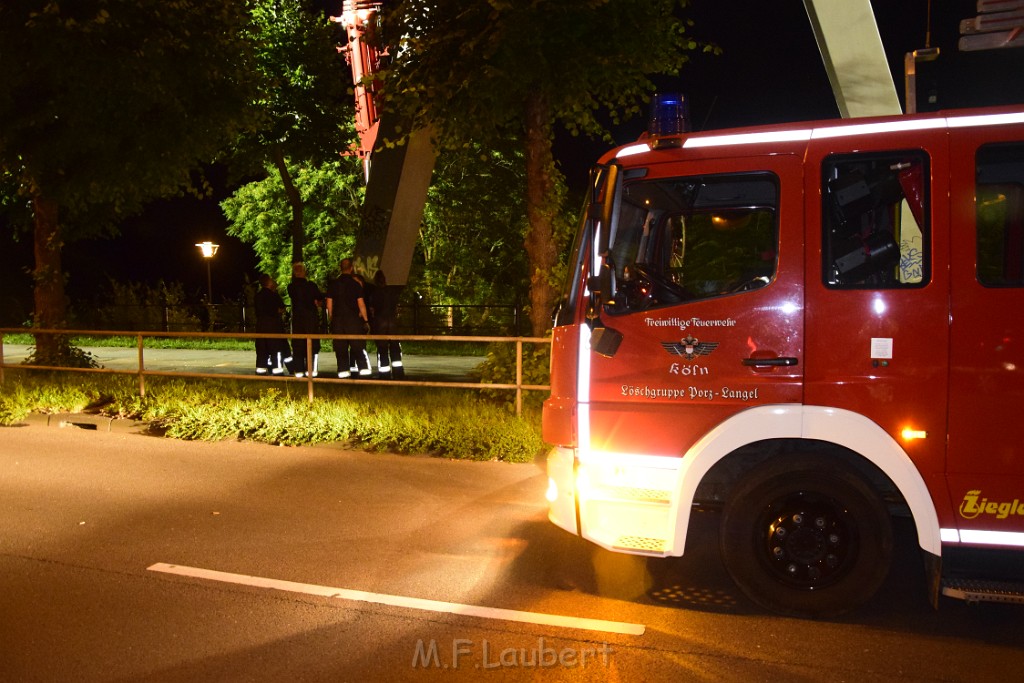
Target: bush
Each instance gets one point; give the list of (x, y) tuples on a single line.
[(58, 350), (138, 306), (446, 423), (13, 407), (500, 368)]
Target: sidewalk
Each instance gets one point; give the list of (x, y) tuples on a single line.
[(417, 368)]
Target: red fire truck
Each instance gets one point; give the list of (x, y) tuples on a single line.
[(814, 326)]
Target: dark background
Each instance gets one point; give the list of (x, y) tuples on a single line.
[(770, 71)]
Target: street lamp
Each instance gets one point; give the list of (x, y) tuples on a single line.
[(209, 249)]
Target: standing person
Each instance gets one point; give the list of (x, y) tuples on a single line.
[(306, 300), (272, 355), (384, 303), (346, 311)]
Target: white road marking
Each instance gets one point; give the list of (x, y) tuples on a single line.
[(398, 601)]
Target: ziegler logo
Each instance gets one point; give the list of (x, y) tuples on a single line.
[(972, 507), (689, 348)]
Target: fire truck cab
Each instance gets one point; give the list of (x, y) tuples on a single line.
[(815, 326)]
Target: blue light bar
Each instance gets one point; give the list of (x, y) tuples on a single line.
[(670, 115)]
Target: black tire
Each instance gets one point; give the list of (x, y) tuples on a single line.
[(806, 537)]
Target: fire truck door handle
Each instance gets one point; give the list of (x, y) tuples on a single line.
[(784, 361)]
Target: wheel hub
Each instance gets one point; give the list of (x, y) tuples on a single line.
[(808, 544)]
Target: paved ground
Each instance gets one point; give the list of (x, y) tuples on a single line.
[(418, 368)]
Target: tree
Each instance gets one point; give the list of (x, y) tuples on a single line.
[(106, 104), (472, 229), (470, 236), (330, 196), (481, 70), (303, 103)]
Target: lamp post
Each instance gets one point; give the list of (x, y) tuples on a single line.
[(209, 249)]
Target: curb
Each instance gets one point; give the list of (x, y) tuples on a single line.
[(98, 423)]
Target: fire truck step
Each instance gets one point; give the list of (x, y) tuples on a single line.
[(973, 590), (641, 545)]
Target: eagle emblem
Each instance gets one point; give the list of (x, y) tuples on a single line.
[(689, 348)]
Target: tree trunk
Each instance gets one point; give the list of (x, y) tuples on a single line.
[(541, 207), (48, 279), (294, 201)]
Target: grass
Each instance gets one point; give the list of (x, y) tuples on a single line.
[(447, 423)]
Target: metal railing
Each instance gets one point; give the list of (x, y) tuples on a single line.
[(414, 318), (142, 372)]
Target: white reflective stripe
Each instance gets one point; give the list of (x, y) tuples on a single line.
[(799, 135), (839, 131), (583, 391), (949, 535), (981, 537), (583, 363), (985, 120), (633, 149), (876, 128), (383, 368), (344, 374), (365, 372), (396, 363)]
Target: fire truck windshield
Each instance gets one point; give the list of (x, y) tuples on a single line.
[(681, 239)]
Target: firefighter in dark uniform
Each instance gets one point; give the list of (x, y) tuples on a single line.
[(346, 310), (272, 355), (306, 300), (384, 303)]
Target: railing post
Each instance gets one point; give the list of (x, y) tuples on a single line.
[(309, 367), (519, 377), (142, 367)]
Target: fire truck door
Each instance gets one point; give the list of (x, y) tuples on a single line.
[(986, 432), (877, 311), (708, 302)]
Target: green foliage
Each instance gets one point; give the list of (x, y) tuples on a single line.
[(471, 238), (331, 196), (14, 405), (482, 72), (450, 424), (447, 424), (500, 368), (138, 306), (105, 104), (304, 110), (57, 393), (303, 103), (467, 66), (57, 350)]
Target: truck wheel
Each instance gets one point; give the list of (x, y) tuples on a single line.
[(806, 537)]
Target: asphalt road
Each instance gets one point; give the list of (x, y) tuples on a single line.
[(126, 557)]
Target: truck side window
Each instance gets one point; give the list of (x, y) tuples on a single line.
[(999, 207), (875, 209), (690, 238)]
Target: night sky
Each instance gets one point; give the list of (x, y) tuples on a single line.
[(770, 72)]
